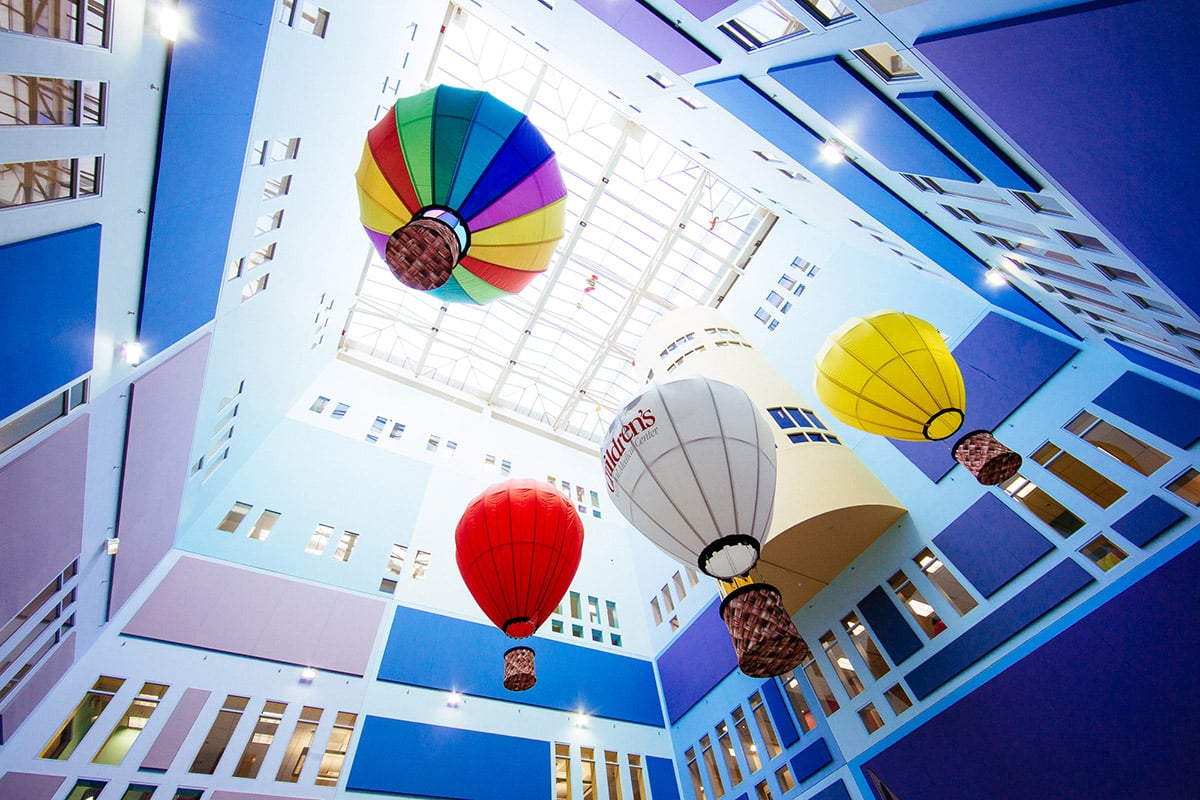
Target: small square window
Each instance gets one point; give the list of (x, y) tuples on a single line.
[(1103, 553), (1187, 486), (767, 22), (556, 625), (234, 518), (615, 638), (1083, 241), (898, 699), (829, 11), (339, 410), (871, 718), (597, 635), (577, 631), (886, 62), (388, 586)]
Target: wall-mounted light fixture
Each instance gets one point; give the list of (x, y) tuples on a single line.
[(168, 21), (308, 675), (111, 546), (132, 352), (454, 699), (833, 152)]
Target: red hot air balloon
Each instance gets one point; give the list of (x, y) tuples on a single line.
[(518, 545)]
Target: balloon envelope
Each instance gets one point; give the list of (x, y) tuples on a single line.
[(518, 545), (892, 374), (480, 166), (691, 464)]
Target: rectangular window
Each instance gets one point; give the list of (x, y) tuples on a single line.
[(562, 770), (262, 528), (886, 62), (593, 610), (1121, 275), (656, 611), (786, 781), (668, 603), (898, 699), (762, 791), (319, 540), (80, 721), (597, 635), (636, 779), (1078, 475), (587, 760), (577, 631), (335, 752), (59, 20), (765, 23), (345, 546), (376, 429), (576, 605), (914, 602), (871, 718), (432, 444), (821, 688), (86, 790), (795, 696), (395, 561), (219, 735), (397, 430), (313, 20), (297, 750), (41, 415), (137, 791), (256, 286), (865, 646), (765, 727), (260, 740), (1042, 505), (268, 222), (611, 608), (725, 745), (36, 100), (841, 664), (130, 725), (829, 11), (188, 794), (746, 740), (680, 590), (614, 639), (1103, 553), (489, 462), (420, 565), (1187, 486), (285, 149), (339, 411), (1115, 442), (319, 404), (694, 772), (954, 592), (25, 614), (451, 446), (710, 763), (612, 772), (277, 187), (387, 585), (29, 182), (235, 516)]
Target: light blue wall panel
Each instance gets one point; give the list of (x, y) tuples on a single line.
[(49, 327)]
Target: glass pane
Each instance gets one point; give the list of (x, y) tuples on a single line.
[(866, 646), (68, 737), (1103, 553), (1078, 475), (728, 753), (1187, 486), (562, 772), (297, 749), (85, 790), (912, 599), (804, 714), (945, 582), (130, 725), (825, 696), (260, 740), (612, 774), (871, 718), (749, 748), (765, 728), (1043, 506), (335, 752), (842, 665), (219, 735), (710, 763), (898, 699), (884, 59)]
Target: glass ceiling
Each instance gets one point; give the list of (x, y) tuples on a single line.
[(649, 227)]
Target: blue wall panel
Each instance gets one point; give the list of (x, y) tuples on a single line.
[(1152, 517), (998, 379), (1159, 409), (784, 726), (989, 633), (1022, 76), (1155, 364), (696, 661), (932, 109), (990, 545), (653, 33), (834, 791), (663, 785), (810, 760), (415, 759), (49, 328), (890, 628), (746, 101), (1105, 709), (438, 652), (213, 84)]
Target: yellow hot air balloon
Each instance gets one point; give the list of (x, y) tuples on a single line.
[(892, 374)]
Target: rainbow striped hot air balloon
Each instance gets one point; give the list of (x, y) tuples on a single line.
[(461, 195)]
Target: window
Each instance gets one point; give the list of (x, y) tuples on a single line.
[(1152, 304), (710, 763), (597, 635), (865, 646), (694, 772), (130, 725), (749, 748), (1122, 275), (1042, 204), (954, 592), (1187, 486), (614, 639), (505, 467), (912, 600), (765, 728), (277, 187), (636, 780), (80, 721), (33, 100), (829, 10), (285, 149), (31, 608), (387, 585), (188, 794), (234, 517), (611, 608), (1103, 553), (255, 286), (786, 781), (725, 745), (820, 685), (432, 444), (311, 19), (576, 605), (1120, 445), (870, 717), (1083, 241), (262, 528), (268, 222), (668, 603), (137, 791), (593, 610), (804, 714), (764, 23), (1079, 476), (886, 62), (339, 411), (397, 430), (1041, 504), (612, 771), (345, 546), (29, 182), (376, 428), (319, 540), (693, 576), (451, 446), (587, 760), (577, 631), (841, 664), (674, 623), (335, 752), (898, 699), (219, 735), (319, 404), (86, 790), (762, 791), (395, 561), (562, 771), (656, 611), (61, 20), (41, 415), (297, 749), (420, 565), (260, 740)]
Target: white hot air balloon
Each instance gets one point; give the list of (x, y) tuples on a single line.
[(691, 464)]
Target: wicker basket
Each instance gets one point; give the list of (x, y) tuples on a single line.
[(764, 638), (519, 672), (423, 253), (985, 458)]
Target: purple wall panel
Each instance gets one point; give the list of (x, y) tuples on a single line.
[(653, 34), (696, 661), (218, 606), (162, 419), (1003, 363), (41, 529), (1028, 79), (28, 786), (166, 744), (223, 795), (22, 704), (703, 9)]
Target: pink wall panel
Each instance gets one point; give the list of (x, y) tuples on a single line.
[(223, 795), (166, 744), (218, 606), (29, 786), (162, 418), (41, 527), (22, 704)]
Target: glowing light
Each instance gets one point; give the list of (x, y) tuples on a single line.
[(454, 699), (996, 277), (308, 675), (832, 152), (168, 22), (132, 352)]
